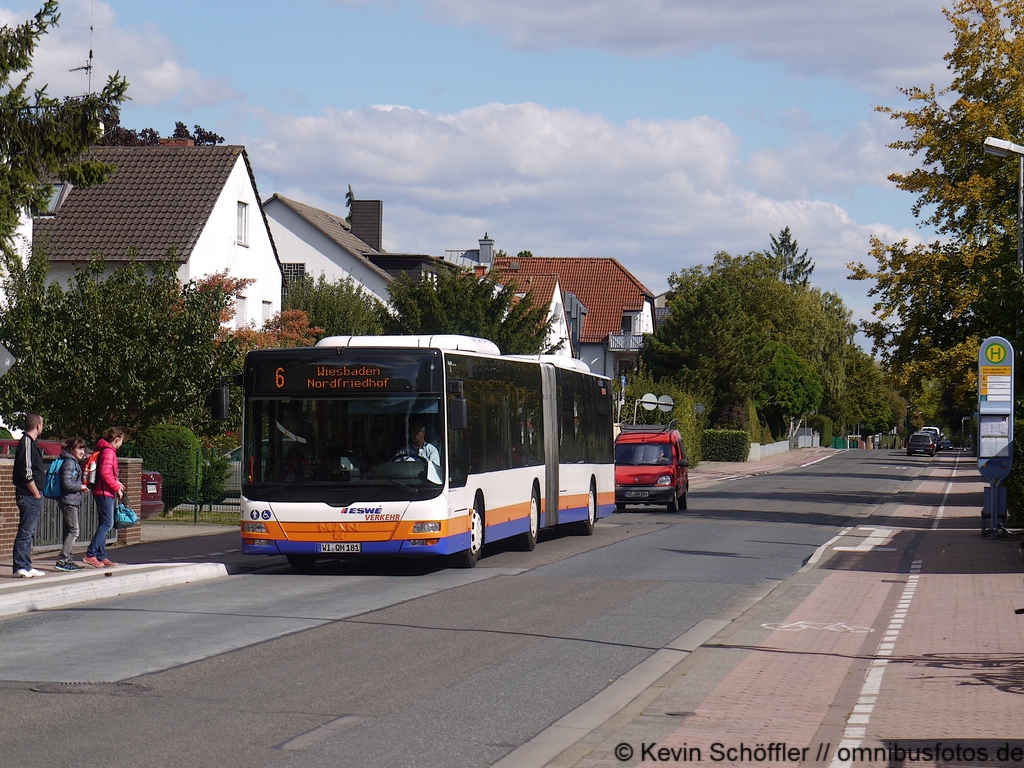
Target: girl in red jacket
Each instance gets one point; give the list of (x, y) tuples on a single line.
[(108, 488)]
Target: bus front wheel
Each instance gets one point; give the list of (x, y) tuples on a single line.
[(468, 557)]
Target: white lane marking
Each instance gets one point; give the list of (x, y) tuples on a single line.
[(821, 550), (817, 460), (875, 539), (860, 717), (949, 486)]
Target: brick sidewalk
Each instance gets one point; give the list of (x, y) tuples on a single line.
[(902, 635)]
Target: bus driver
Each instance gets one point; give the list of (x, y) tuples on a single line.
[(419, 448)]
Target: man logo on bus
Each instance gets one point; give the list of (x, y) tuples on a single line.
[(255, 515), (996, 353)]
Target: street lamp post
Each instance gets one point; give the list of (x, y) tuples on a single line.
[(1003, 148)]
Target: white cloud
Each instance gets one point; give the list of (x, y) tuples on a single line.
[(876, 44), (659, 195), (151, 64)]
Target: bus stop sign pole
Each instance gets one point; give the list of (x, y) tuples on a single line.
[(995, 427)]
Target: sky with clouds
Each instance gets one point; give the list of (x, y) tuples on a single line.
[(654, 131)]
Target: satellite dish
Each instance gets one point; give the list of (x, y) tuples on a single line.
[(665, 403), (649, 401)]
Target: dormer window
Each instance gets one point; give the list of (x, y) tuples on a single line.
[(242, 235), (61, 190)]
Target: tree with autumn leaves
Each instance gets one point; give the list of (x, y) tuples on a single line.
[(935, 302)]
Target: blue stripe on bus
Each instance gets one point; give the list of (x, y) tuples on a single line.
[(446, 546)]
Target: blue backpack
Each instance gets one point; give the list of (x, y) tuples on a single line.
[(52, 488)]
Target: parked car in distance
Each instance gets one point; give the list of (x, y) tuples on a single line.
[(923, 442), (651, 467), (152, 494), (51, 448)]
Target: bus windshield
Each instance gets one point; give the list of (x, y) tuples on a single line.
[(344, 449)]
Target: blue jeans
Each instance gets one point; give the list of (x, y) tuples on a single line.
[(105, 513), (29, 508)]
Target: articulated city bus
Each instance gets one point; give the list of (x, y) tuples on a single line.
[(419, 445)]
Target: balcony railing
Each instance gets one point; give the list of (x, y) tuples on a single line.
[(625, 342)]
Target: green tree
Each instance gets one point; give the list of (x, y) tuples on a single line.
[(935, 302), (793, 267), (869, 402), (135, 347), (336, 309), (709, 344), (43, 138), (791, 389), (459, 302)]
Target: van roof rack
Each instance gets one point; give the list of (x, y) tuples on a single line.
[(649, 427)]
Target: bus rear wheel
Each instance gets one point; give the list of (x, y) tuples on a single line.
[(302, 562), (528, 541), (468, 557), (586, 527)]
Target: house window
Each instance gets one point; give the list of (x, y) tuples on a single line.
[(293, 272), (627, 323), (242, 235), (267, 309), (241, 319)]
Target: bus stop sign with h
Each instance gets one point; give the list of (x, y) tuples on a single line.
[(995, 427)]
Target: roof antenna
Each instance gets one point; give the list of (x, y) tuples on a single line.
[(87, 67)]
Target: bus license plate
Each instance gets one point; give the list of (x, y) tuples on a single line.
[(341, 546), (637, 494)]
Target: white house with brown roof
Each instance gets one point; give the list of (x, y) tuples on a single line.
[(608, 310), (546, 292), (314, 242), (203, 201)]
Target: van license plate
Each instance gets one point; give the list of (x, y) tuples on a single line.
[(341, 546), (637, 494)]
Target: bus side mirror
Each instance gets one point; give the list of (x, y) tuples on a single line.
[(458, 413), (218, 401)]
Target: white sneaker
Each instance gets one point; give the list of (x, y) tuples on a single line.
[(24, 573), (36, 572)]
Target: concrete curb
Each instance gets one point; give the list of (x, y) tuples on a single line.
[(72, 589)]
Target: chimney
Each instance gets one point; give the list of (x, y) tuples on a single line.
[(368, 221), (480, 270), (177, 143), (486, 251)]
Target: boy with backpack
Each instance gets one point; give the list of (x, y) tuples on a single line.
[(72, 485)]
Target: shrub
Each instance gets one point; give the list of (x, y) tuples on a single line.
[(1015, 481), (215, 468), (170, 450), (725, 445)]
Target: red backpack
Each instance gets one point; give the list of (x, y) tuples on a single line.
[(89, 470)]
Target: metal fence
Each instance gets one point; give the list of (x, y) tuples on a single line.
[(211, 495), (50, 532)]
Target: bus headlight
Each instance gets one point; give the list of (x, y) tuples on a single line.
[(254, 527), (665, 480), (426, 528)]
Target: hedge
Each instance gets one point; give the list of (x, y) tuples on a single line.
[(170, 450), (725, 445)]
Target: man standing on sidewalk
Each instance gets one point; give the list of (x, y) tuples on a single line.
[(29, 477)]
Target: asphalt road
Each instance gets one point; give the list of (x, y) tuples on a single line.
[(406, 663)]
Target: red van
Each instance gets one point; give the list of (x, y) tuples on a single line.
[(651, 467)]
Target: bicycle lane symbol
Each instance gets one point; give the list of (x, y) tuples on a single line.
[(828, 626)]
